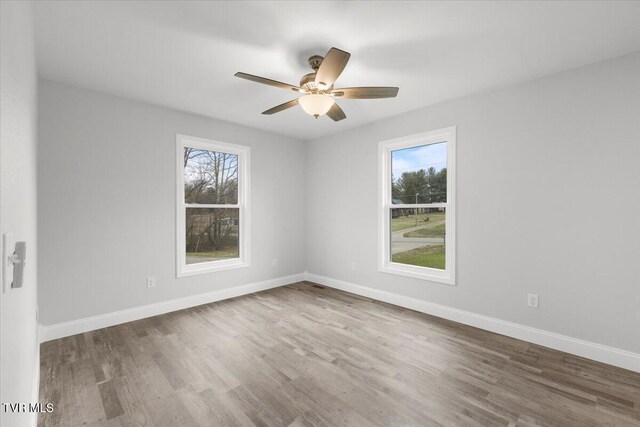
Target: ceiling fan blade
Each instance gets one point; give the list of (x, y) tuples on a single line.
[(331, 66), (365, 92), (281, 107), (336, 114), (266, 81)]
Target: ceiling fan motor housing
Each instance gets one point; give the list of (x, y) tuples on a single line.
[(308, 81)]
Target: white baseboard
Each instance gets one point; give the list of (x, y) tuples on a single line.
[(60, 330), (601, 353)]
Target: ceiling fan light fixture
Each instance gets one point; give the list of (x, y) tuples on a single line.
[(315, 104)]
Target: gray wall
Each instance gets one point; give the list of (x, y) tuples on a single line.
[(18, 108), (548, 203), (107, 203)]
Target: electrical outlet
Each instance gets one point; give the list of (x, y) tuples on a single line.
[(532, 300), (151, 282), (353, 266), (274, 262)]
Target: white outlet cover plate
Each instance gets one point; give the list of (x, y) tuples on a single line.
[(533, 300), (151, 282)]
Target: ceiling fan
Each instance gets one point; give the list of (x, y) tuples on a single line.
[(317, 88)]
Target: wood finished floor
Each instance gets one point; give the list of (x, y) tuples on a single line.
[(309, 356)]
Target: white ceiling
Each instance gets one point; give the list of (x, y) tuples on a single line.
[(183, 54)]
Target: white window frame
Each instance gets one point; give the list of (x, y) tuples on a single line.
[(244, 211), (385, 264)]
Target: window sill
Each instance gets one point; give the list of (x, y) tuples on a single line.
[(206, 268), (421, 273)]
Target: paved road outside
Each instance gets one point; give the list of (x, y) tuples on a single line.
[(400, 244)]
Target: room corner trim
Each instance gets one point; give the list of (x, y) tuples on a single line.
[(65, 329), (598, 352)]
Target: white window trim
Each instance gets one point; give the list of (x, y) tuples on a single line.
[(244, 221), (385, 148)]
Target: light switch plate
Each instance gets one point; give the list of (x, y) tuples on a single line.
[(8, 247)]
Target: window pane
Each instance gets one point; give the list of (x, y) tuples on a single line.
[(211, 234), (418, 237), (419, 174), (210, 177)]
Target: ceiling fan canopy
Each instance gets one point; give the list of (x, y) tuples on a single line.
[(317, 88)]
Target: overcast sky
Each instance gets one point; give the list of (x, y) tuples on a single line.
[(416, 158)]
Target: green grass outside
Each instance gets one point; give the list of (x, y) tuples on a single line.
[(427, 256), (410, 221), (222, 253)]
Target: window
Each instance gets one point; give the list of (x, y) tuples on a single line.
[(213, 226), (417, 202)]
